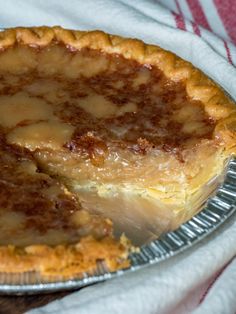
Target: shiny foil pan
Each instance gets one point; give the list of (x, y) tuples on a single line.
[(217, 209)]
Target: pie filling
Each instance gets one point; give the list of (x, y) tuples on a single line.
[(117, 135), (37, 209)]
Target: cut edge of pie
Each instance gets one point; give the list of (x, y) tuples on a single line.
[(82, 257)]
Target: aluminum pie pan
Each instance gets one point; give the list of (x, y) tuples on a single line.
[(216, 211)]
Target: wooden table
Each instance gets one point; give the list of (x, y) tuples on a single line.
[(21, 304)]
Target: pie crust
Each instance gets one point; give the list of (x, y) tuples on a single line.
[(142, 137)]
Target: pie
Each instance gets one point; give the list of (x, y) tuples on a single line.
[(96, 128)]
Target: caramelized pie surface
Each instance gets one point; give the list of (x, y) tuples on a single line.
[(89, 133), (114, 113)]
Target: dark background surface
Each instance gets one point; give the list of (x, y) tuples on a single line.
[(21, 304)]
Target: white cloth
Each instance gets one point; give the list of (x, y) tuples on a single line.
[(176, 285)]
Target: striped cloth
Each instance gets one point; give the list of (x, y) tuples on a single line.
[(204, 17), (201, 280)]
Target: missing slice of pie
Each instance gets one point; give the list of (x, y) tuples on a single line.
[(126, 130)]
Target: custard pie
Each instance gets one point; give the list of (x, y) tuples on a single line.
[(96, 128)]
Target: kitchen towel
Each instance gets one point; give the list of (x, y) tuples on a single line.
[(203, 278)]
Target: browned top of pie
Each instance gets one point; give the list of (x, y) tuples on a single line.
[(141, 110), (80, 108), (121, 104)]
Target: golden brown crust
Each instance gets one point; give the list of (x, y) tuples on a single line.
[(65, 261), (198, 85), (226, 130)]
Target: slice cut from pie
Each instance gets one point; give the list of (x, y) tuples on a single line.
[(135, 133)]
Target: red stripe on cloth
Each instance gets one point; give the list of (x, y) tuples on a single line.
[(214, 280), (198, 13), (228, 52), (179, 18), (179, 21), (227, 13), (196, 29), (178, 8)]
